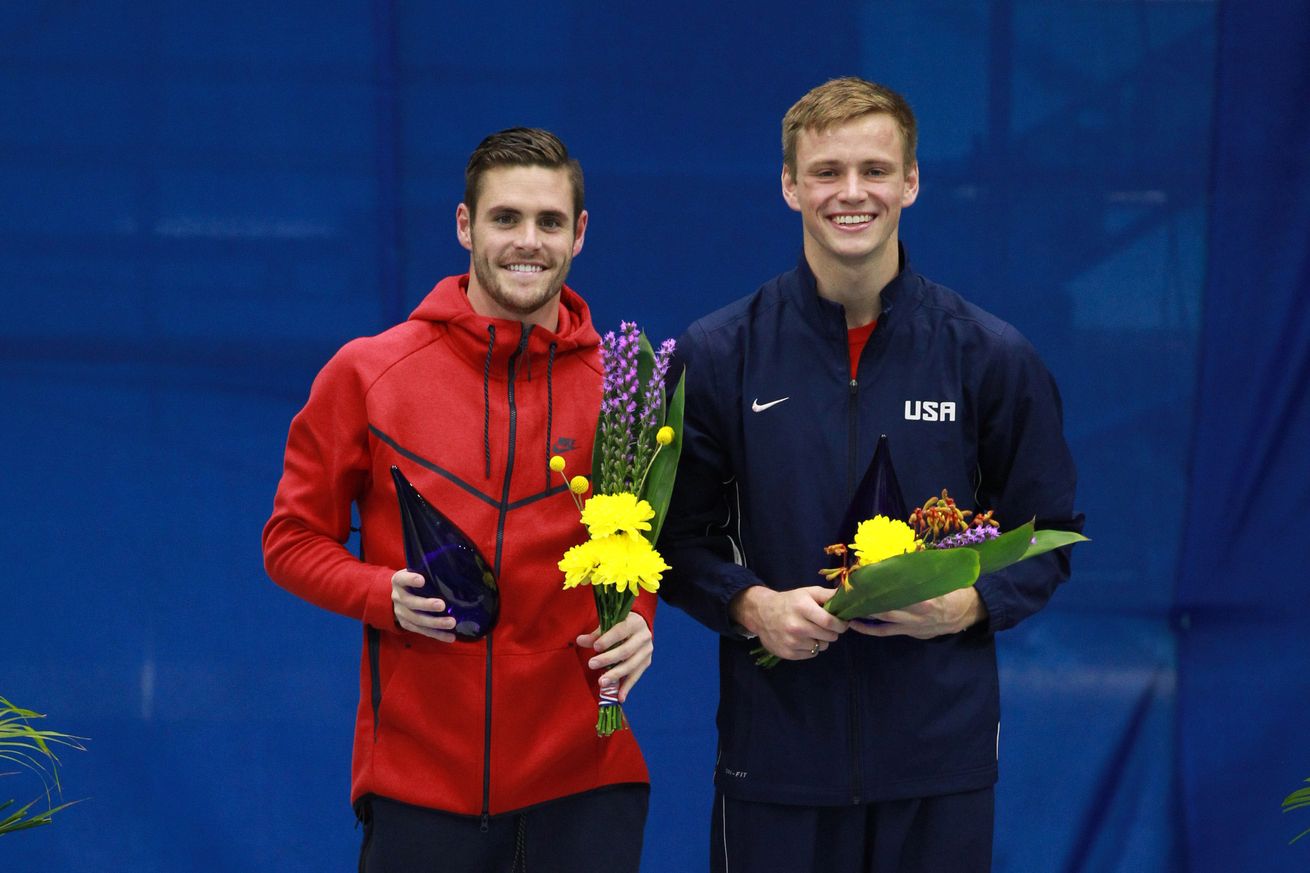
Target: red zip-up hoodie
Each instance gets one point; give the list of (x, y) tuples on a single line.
[(470, 408)]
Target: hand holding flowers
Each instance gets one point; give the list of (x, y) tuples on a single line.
[(638, 440), (916, 578)]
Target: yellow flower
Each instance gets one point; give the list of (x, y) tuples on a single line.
[(557, 464), (579, 484), (628, 562), (881, 537), (664, 435), (605, 514), (577, 563)]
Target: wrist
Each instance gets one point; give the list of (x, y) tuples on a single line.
[(744, 609), (977, 612)]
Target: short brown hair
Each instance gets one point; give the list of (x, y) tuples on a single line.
[(840, 100), (521, 147)]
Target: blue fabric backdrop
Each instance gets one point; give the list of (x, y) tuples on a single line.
[(204, 200)]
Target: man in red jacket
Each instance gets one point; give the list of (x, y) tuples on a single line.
[(474, 755)]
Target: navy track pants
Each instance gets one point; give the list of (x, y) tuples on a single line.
[(595, 829)]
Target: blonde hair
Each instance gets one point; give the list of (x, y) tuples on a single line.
[(838, 101)]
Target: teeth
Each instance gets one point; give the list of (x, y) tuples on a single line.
[(525, 268), (852, 219)]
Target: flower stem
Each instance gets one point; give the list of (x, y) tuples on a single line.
[(642, 487)]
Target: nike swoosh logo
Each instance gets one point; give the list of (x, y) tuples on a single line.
[(757, 406)]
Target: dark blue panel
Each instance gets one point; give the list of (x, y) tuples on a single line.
[(202, 201), (1244, 698)]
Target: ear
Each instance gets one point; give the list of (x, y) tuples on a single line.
[(789, 189), (579, 232), (911, 185), (464, 226)]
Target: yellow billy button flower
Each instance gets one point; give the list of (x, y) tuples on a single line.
[(664, 435), (579, 484), (605, 514), (556, 464), (880, 537)]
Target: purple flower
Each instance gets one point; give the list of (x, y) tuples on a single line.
[(971, 537)]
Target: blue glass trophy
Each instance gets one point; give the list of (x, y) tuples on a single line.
[(877, 494), (453, 567)]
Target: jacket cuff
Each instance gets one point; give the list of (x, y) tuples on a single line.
[(644, 606), (992, 599), (378, 610)]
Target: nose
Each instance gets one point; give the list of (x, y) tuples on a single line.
[(528, 239), (851, 189)]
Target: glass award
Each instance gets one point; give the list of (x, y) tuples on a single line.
[(452, 566), (877, 494)]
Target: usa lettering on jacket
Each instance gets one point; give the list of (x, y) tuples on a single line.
[(929, 410)]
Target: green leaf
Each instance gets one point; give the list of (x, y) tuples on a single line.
[(17, 822), (1018, 545), (904, 579), (645, 359), (664, 469)]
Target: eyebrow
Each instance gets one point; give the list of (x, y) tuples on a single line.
[(545, 213)]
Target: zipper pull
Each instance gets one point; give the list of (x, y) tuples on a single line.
[(486, 823)]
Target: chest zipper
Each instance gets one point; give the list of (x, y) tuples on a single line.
[(852, 443), (500, 543)]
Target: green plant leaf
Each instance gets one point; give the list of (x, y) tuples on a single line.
[(29, 747), (17, 822), (645, 359), (1049, 540), (1018, 545), (664, 469), (904, 579), (1008, 548)]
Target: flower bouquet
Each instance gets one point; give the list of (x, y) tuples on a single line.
[(937, 549), (634, 461)]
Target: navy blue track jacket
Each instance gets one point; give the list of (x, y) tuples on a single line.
[(777, 435)]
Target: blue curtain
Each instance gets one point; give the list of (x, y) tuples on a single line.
[(204, 200)]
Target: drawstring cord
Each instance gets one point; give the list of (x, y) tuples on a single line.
[(486, 403), (550, 405)]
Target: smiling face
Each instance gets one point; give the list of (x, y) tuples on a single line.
[(523, 240), (850, 185)]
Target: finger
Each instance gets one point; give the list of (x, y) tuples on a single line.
[(419, 618), (817, 633), (414, 603), (625, 687), (879, 629), (623, 672), (619, 653), (816, 615), (444, 636), (812, 650), (588, 641), (822, 594), (624, 630), (407, 579)]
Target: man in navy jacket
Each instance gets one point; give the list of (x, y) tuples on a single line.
[(873, 745)]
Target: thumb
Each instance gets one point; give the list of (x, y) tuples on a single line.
[(823, 595)]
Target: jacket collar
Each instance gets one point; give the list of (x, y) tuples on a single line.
[(471, 334), (827, 317)]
